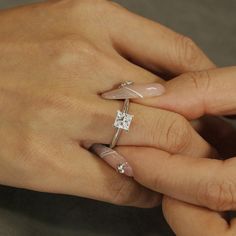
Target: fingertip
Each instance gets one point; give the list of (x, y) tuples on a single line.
[(113, 159), (136, 91)]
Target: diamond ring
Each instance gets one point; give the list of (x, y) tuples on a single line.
[(123, 119)]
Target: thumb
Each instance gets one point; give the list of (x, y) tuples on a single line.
[(196, 94)]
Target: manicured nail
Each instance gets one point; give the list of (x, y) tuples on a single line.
[(135, 91), (112, 158)]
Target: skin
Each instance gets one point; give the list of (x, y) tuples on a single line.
[(56, 59), (199, 189)]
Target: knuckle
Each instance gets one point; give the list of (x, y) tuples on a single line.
[(104, 10), (52, 113), (82, 8), (98, 11), (113, 7), (200, 80), (81, 2), (219, 196), (188, 53), (85, 51), (55, 47), (70, 45), (52, 107), (34, 156), (176, 134), (115, 4), (72, 56)]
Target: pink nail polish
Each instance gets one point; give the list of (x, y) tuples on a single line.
[(135, 91), (112, 158)]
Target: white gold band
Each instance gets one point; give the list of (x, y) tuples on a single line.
[(123, 120)]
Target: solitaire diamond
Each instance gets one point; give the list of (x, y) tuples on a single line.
[(123, 120)]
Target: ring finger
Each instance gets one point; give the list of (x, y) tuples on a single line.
[(150, 128)]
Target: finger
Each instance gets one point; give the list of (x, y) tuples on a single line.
[(186, 219), (199, 181), (133, 91), (101, 70), (154, 46), (77, 172), (150, 127), (145, 84), (115, 70), (216, 131), (195, 94), (112, 158)]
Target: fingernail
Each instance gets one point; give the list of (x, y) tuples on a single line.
[(135, 91), (112, 158)]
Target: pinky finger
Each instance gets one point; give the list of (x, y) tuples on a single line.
[(87, 176), (112, 158)]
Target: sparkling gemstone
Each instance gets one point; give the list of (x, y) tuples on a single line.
[(123, 120), (121, 168)]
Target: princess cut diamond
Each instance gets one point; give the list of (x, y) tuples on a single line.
[(123, 120)]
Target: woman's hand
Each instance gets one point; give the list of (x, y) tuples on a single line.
[(205, 182), (186, 219), (214, 93), (56, 58), (199, 182)]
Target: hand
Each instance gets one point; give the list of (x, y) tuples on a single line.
[(208, 183), (200, 181), (56, 58), (186, 219), (216, 97)]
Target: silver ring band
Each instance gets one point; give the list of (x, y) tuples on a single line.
[(119, 130), (123, 120)]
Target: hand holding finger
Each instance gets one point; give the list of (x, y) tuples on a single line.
[(192, 94), (209, 182), (47, 112)]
